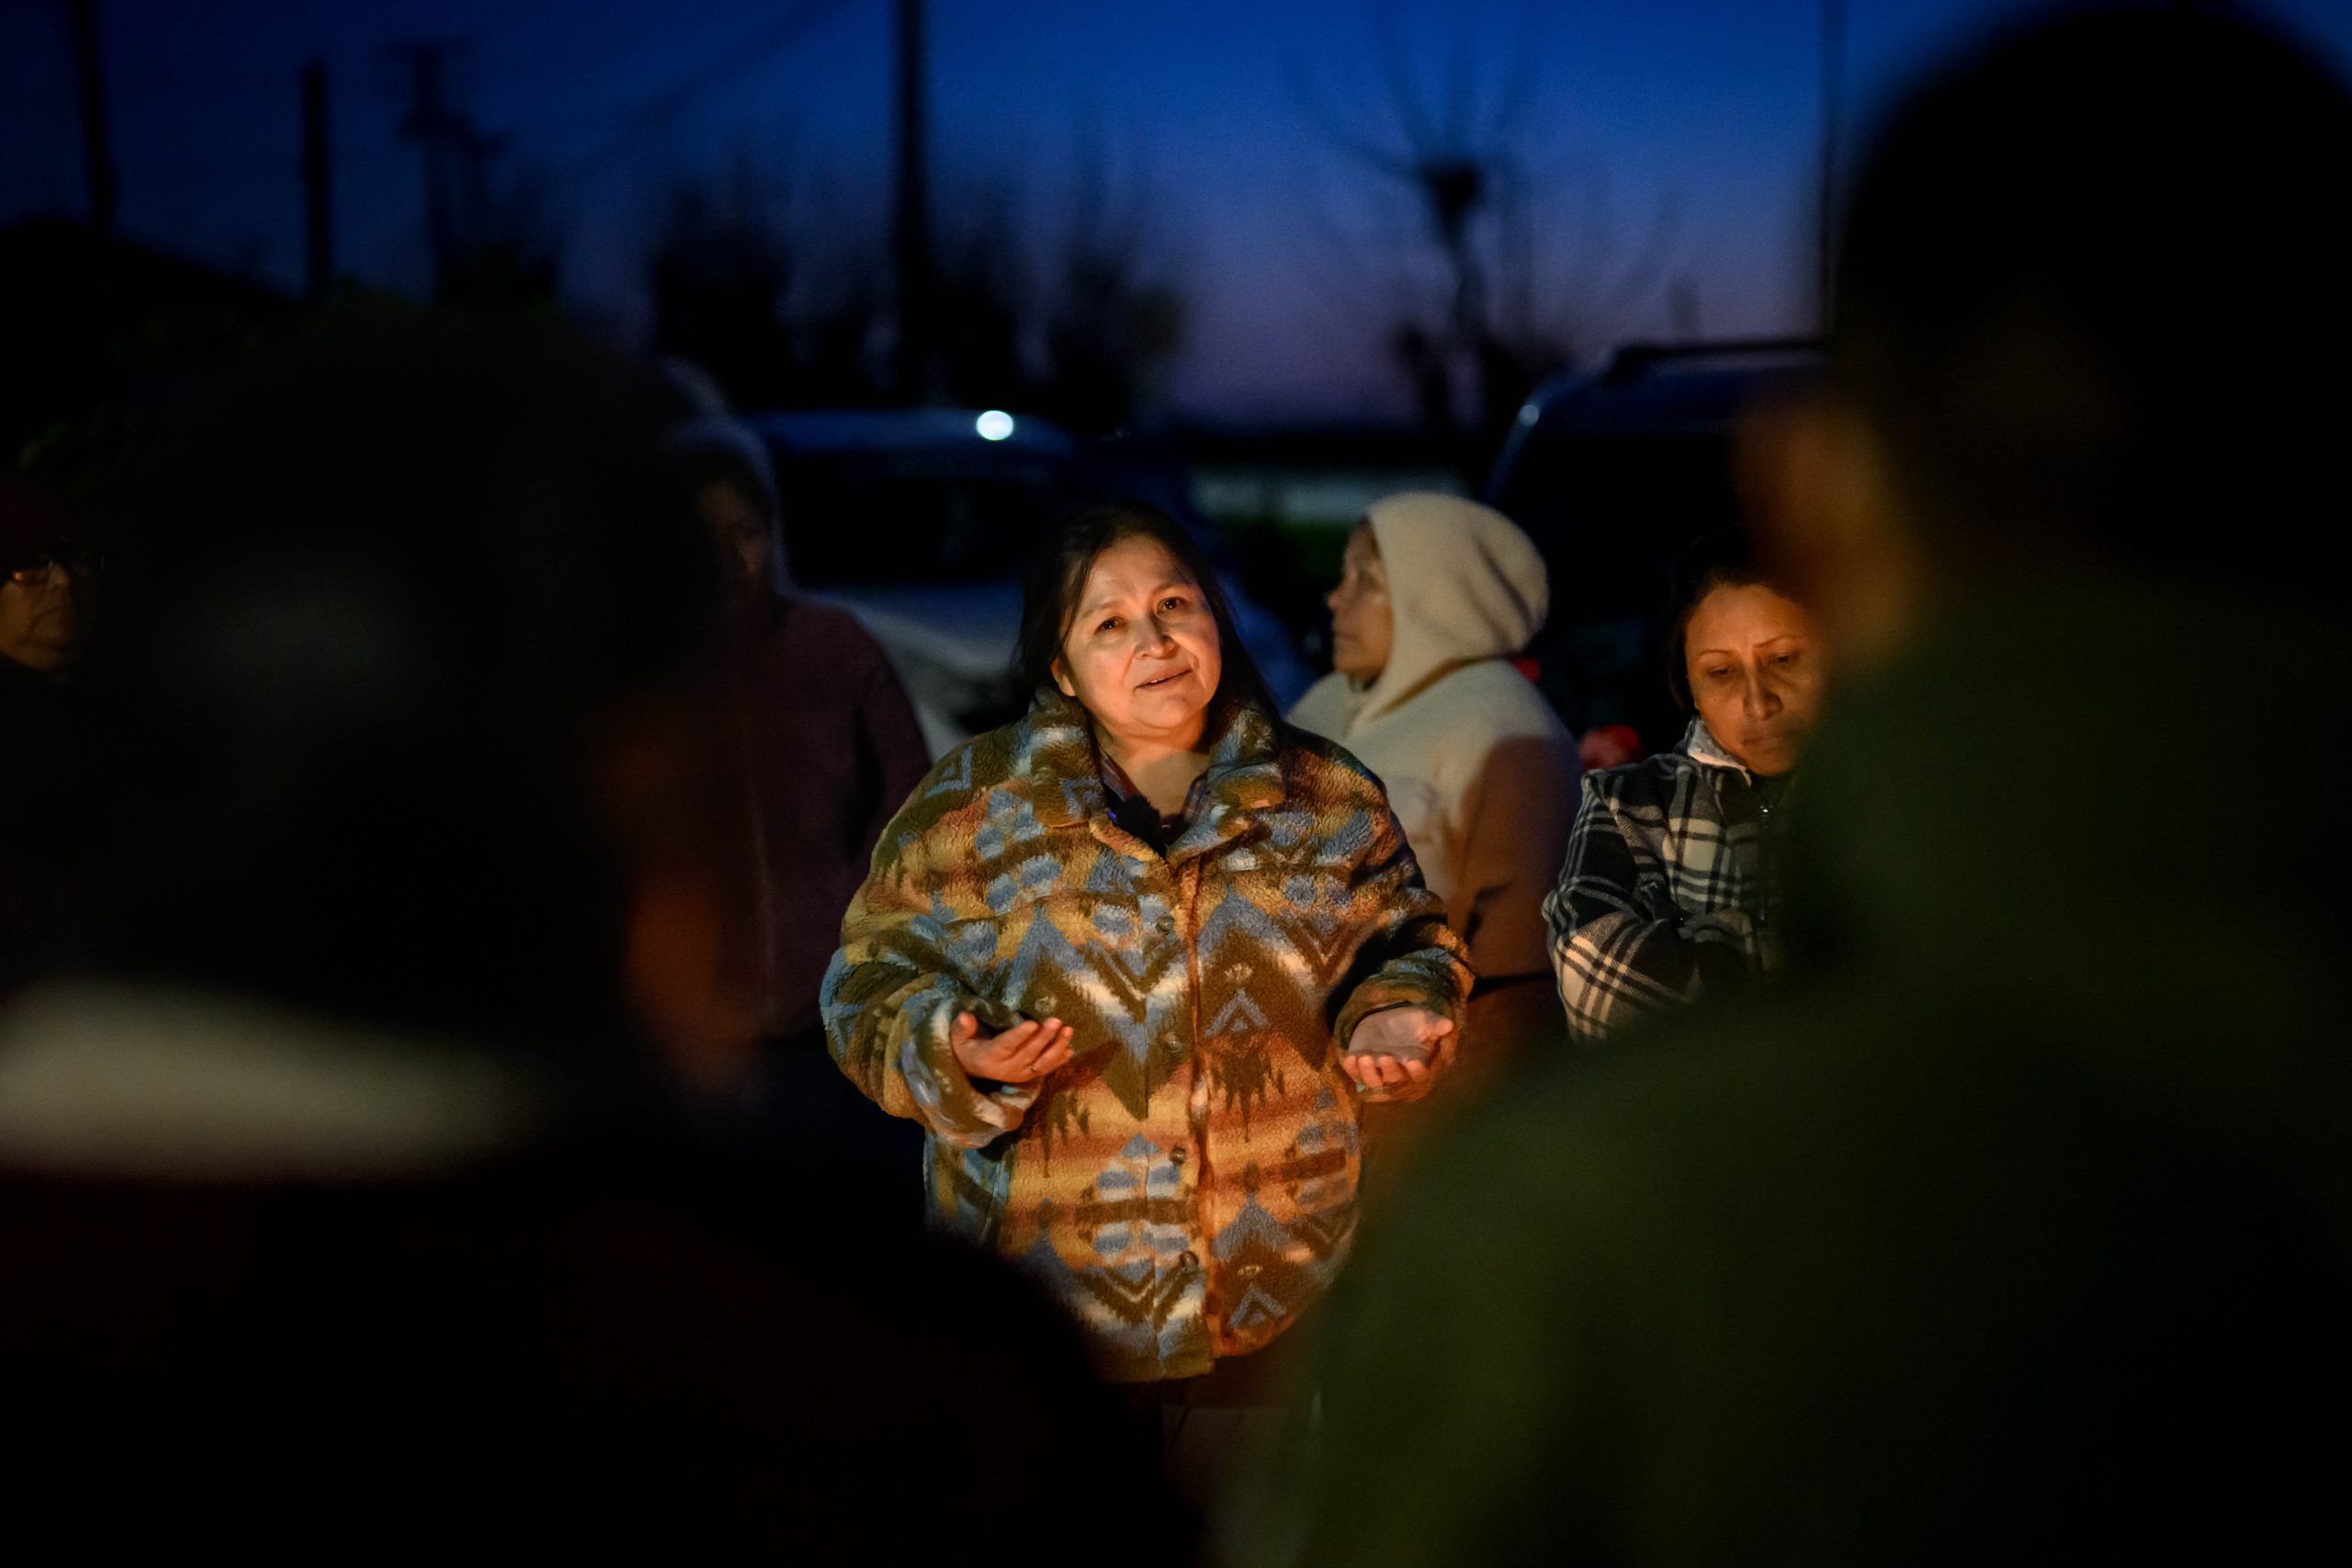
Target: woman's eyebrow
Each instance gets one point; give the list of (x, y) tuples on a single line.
[(1112, 598)]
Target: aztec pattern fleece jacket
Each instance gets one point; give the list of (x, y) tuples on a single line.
[(1663, 892), (1186, 1185)]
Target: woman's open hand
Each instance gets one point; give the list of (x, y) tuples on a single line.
[(1026, 1052), (1399, 1053)]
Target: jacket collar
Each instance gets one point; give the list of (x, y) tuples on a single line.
[(1056, 750), (1699, 744)]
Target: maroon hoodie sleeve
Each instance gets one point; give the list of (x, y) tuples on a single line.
[(893, 737)]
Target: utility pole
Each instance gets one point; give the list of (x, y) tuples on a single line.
[(454, 153), (1833, 79), (98, 139), (917, 357), (318, 182)]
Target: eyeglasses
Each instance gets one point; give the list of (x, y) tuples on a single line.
[(38, 571)]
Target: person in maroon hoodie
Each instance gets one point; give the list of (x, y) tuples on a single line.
[(829, 749)]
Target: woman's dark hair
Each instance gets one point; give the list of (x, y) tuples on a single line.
[(1057, 573), (1720, 560)]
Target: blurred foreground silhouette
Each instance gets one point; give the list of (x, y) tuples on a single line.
[(2016, 1222), (343, 1199)]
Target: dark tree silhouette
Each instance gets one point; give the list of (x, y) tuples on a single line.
[(1074, 317), (1482, 311), (1113, 319), (718, 271), (983, 291)]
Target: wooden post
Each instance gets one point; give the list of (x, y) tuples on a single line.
[(917, 361), (98, 139), (318, 183), (1833, 75)]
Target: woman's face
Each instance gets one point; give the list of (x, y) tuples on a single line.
[(1756, 674), (741, 531), (1362, 624), (1142, 653)]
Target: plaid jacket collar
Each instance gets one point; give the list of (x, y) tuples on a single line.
[(1699, 744), (1056, 753)]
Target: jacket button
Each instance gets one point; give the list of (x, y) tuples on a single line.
[(1190, 1261), (1176, 1155), (1167, 925)]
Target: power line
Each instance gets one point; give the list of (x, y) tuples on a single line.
[(746, 55)]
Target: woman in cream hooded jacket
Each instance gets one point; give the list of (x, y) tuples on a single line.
[(1481, 773)]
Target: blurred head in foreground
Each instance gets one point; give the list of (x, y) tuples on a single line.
[(346, 1189), (394, 716), (2090, 313)]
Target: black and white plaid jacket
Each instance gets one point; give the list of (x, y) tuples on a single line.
[(1663, 891)]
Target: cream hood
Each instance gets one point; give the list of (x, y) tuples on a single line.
[(1463, 585)]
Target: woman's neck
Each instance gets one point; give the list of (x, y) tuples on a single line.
[(1164, 770)]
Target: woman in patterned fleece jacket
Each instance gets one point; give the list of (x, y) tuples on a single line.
[(1109, 955)]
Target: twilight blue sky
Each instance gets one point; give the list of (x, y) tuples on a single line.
[(1668, 141)]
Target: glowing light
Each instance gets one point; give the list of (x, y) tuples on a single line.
[(994, 426), (1529, 413)]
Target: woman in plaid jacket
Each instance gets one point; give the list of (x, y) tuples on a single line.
[(1665, 892), (1132, 961)]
